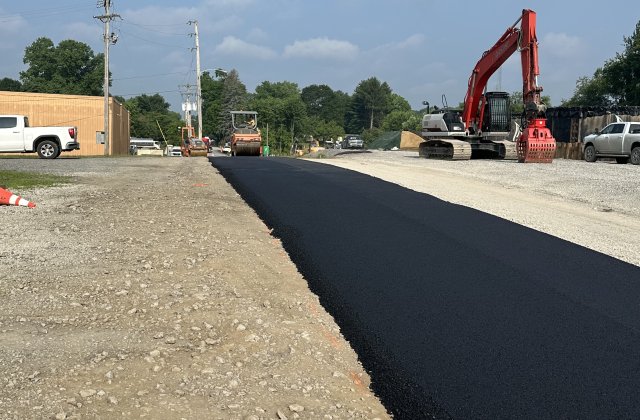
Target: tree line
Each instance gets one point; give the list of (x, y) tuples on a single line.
[(291, 113)]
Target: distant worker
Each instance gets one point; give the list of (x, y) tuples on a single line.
[(251, 123)]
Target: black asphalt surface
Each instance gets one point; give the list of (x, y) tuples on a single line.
[(455, 312)]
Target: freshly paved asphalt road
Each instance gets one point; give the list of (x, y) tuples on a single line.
[(455, 312)]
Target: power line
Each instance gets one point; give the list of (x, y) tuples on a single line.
[(43, 13), (145, 28), (150, 75), (153, 42)]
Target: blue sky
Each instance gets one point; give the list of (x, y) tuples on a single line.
[(421, 48)]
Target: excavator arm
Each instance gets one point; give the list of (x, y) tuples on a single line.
[(491, 61)]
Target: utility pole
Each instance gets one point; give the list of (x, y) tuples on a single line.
[(187, 105), (109, 38), (198, 78)]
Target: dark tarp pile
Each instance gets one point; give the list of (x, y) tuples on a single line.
[(404, 140)]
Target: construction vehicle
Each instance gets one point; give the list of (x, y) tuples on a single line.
[(483, 128), (191, 145), (245, 139)]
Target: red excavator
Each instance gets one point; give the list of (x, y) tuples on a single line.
[(483, 127)]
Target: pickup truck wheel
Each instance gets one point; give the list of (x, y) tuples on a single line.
[(48, 150), (635, 155), (590, 153), (622, 160)]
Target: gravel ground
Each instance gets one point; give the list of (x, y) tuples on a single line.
[(148, 288)]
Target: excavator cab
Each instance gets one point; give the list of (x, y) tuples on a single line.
[(496, 115)]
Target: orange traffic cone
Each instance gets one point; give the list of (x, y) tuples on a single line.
[(9, 198)]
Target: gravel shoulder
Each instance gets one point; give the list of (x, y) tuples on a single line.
[(596, 205), (148, 288)]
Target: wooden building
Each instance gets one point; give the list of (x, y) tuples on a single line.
[(84, 112)]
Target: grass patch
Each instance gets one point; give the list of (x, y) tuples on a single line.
[(16, 180)]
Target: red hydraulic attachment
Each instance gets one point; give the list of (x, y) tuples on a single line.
[(536, 144)]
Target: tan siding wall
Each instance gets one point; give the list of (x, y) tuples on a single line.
[(84, 112)]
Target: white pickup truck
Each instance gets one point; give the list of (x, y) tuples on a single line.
[(619, 140), (17, 137)]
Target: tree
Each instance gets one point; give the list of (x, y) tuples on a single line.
[(622, 74), (149, 112), (370, 102), (212, 107), (398, 120), (590, 92), (615, 83), (281, 106), (517, 103), (10, 85), (234, 98), (69, 68)]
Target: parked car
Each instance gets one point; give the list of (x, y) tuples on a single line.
[(17, 136), (175, 151), (352, 141), (226, 148), (619, 140)]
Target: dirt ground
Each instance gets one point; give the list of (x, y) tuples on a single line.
[(148, 288)]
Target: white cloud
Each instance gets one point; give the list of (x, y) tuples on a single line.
[(87, 33), (562, 45), (9, 26), (257, 34), (322, 48), (233, 46), (413, 41), (229, 3)]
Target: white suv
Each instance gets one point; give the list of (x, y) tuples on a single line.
[(352, 141)]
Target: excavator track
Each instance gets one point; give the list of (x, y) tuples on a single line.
[(510, 151), (445, 149)]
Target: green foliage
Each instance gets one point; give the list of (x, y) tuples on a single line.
[(616, 83), (370, 103), (69, 68), (322, 102), (280, 105), (233, 98), (150, 113), (24, 180), (398, 120), (10, 85), (622, 74), (517, 103), (371, 134), (398, 103), (212, 108)]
